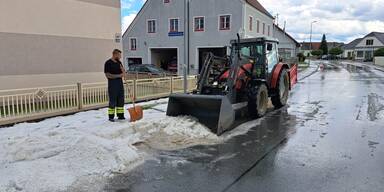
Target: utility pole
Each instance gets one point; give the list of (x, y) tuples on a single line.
[(310, 37), (310, 41)]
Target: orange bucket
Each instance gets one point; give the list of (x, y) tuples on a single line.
[(136, 113)]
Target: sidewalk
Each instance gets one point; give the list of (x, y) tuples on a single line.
[(308, 71), (85, 149)]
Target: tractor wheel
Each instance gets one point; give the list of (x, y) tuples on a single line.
[(282, 90), (258, 101)]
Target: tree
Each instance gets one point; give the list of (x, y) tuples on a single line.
[(317, 52), (336, 51), (379, 52), (324, 45)]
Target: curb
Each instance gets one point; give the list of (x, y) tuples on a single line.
[(379, 69), (310, 74)]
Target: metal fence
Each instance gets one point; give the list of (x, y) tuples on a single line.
[(21, 105)]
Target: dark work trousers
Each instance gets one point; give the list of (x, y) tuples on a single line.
[(116, 98)]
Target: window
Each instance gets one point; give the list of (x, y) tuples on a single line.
[(269, 30), (133, 44), (263, 28), (258, 26), (369, 42), (152, 26), (250, 23), (173, 25), (199, 23), (166, 1), (225, 22), (272, 56), (360, 54)]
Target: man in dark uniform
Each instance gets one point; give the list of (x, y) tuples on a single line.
[(114, 71)]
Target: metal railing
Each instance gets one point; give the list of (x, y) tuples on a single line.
[(21, 105)]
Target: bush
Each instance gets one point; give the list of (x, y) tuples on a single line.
[(301, 57), (379, 52), (317, 52), (336, 51)]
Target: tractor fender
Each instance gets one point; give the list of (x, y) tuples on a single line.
[(276, 74)]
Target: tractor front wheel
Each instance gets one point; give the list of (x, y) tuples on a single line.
[(280, 98), (258, 101)]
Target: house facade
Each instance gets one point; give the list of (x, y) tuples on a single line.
[(167, 32), (365, 49), (288, 46), (49, 43)]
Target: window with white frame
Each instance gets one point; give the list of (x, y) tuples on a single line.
[(250, 23), (173, 25), (133, 44), (166, 1), (360, 54), (199, 23), (225, 22), (152, 26)]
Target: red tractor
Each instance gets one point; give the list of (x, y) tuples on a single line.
[(237, 86)]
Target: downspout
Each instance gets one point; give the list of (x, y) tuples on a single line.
[(186, 45), (188, 37)]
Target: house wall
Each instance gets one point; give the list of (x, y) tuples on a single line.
[(376, 43), (212, 36), (286, 43), (145, 41), (257, 15), (379, 61), (48, 37)]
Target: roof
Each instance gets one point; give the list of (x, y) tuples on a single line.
[(378, 35), (306, 46), (316, 45), (287, 34), (352, 44), (259, 7)]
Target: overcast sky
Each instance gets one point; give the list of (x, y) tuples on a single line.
[(340, 20)]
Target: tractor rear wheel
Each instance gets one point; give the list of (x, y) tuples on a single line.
[(280, 98), (258, 101)]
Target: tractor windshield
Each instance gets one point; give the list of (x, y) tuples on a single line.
[(250, 53)]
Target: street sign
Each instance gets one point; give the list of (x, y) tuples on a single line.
[(175, 34)]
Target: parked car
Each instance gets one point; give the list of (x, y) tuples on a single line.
[(147, 70), (172, 65)]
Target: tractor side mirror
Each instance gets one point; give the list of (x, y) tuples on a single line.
[(269, 47)]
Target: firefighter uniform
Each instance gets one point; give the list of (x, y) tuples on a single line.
[(115, 89)]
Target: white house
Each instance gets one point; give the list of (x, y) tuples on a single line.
[(364, 50), (288, 46), (183, 31)]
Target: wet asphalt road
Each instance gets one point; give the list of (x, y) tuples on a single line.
[(329, 138)]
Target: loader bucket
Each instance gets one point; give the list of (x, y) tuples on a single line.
[(213, 111)]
